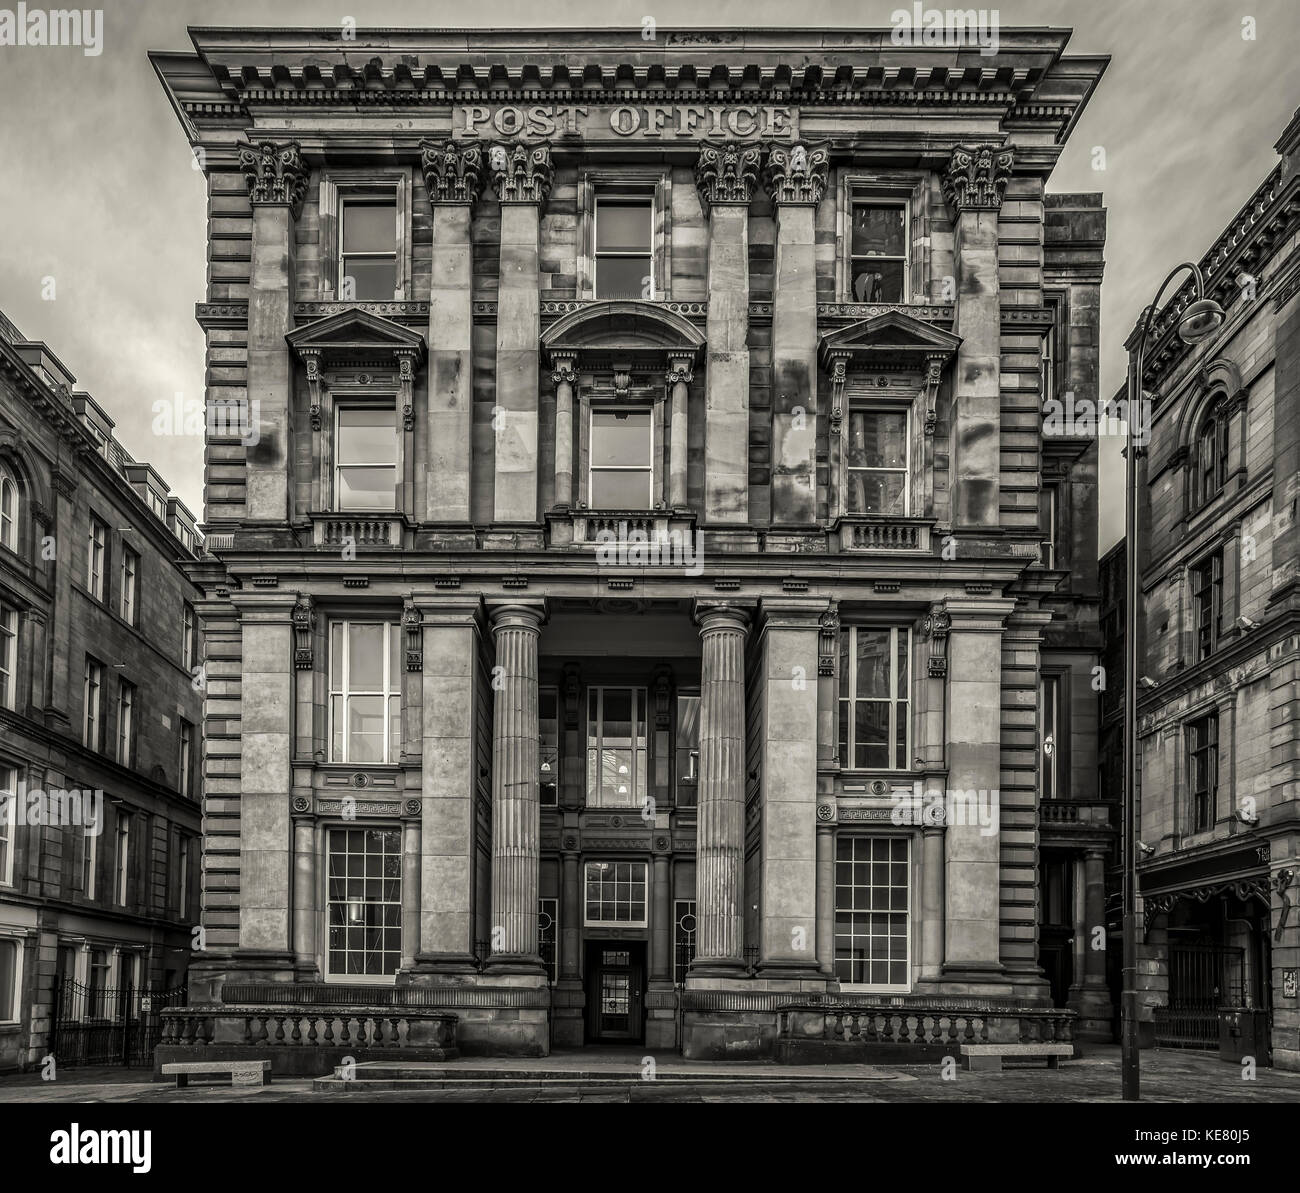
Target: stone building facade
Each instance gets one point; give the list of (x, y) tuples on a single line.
[(99, 719), (1217, 720), (643, 506)]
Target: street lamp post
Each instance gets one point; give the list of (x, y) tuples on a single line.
[(1202, 318)]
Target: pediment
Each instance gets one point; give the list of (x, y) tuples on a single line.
[(891, 334), (624, 325), (356, 331)]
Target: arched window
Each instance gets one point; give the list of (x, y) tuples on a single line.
[(9, 506), (1211, 465)]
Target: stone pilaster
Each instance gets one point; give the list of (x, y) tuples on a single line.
[(725, 175), (277, 184), (453, 174), (449, 633), (972, 850), (826, 899), (266, 861), (796, 179), (788, 644), (304, 890), (568, 998), (931, 902), (516, 807), (974, 185), (522, 177), (720, 835), (1092, 999), (681, 371), (564, 376)]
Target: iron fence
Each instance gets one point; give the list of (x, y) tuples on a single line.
[(108, 1025)]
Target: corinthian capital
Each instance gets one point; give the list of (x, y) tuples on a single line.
[(275, 174), (977, 177), (521, 173), (797, 173), (726, 172), (453, 171)]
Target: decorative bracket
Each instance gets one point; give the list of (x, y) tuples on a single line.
[(275, 174), (726, 172), (521, 173), (936, 627), (933, 375), (406, 382), (828, 641), (304, 625), (413, 621), (311, 358), (453, 171), (977, 177), (796, 174)]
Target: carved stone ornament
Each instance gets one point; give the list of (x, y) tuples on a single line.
[(406, 382), (453, 171), (304, 623), (521, 173), (275, 174), (413, 621), (726, 172), (412, 807), (681, 371), (828, 641), (825, 813), (933, 375), (936, 627), (797, 173), (977, 177), (564, 370), (311, 358), (300, 804)]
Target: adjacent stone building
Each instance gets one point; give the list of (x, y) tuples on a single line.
[(636, 503), (1218, 726), (99, 724)]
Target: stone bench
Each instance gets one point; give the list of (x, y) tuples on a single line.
[(988, 1058), (242, 1072)]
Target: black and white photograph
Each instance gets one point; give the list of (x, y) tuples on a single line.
[(606, 553)]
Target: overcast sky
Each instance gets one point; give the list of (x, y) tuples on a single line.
[(97, 189)]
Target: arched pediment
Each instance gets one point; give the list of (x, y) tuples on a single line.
[(623, 325), (1221, 377)]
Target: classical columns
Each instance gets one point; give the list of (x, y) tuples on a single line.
[(564, 375), (276, 176), (304, 891), (720, 840), (974, 184), (1092, 998), (681, 371), (522, 175), (931, 902), (266, 867), (796, 179), (516, 807), (661, 935), (725, 175), (787, 694), (826, 898), (453, 174), (449, 636)]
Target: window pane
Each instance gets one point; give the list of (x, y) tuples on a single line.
[(877, 281), (878, 231), (367, 488), (877, 439), (623, 277), (873, 663), (871, 733), (620, 490), (374, 279), (370, 228), (367, 435), (877, 492), (620, 439), (623, 227), (366, 729), (366, 657)]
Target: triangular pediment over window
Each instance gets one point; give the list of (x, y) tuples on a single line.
[(356, 331), (891, 335)]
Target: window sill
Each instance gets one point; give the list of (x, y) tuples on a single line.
[(583, 527), (333, 529), (878, 533)]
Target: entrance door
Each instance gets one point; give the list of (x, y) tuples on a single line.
[(615, 991)]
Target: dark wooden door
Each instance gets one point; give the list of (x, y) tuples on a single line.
[(615, 991)]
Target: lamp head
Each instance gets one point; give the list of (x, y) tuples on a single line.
[(1200, 320)]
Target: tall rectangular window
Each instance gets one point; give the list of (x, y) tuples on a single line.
[(183, 846), (625, 247), (615, 894), (96, 558), (8, 656), (1047, 517), (89, 862), (621, 452), (548, 935), (616, 747), (187, 759), (122, 861), (130, 577), (683, 938), (365, 455), (548, 762), (688, 749), (189, 637), (8, 809), (872, 897), (1207, 601), (92, 691), (364, 903), (877, 462), (874, 725), (125, 722), (1049, 714), (97, 985), (878, 264), (368, 250), (1203, 770), (10, 979), (365, 692)]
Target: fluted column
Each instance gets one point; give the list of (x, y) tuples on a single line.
[(796, 179), (974, 184), (516, 807), (564, 375), (720, 833), (680, 374), (277, 178), (453, 175)]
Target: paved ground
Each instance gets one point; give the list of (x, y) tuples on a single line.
[(1167, 1076)]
